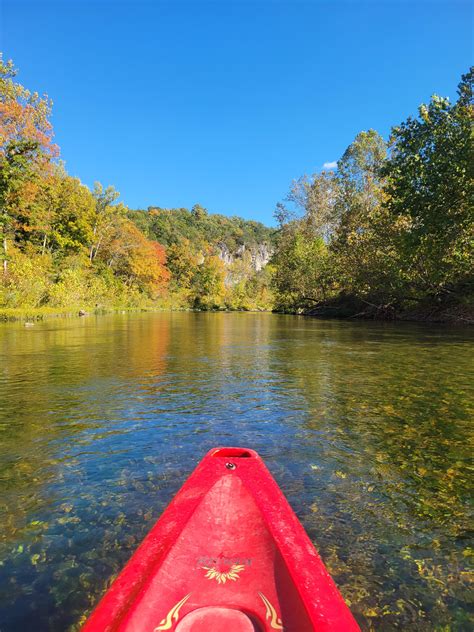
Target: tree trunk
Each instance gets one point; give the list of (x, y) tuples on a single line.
[(5, 260), (93, 246)]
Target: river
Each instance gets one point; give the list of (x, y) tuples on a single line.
[(364, 425)]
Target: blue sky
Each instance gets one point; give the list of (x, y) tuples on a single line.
[(224, 103)]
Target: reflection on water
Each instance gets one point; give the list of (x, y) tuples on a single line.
[(364, 425)]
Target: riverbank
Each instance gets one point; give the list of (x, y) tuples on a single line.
[(347, 309), (356, 309), (41, 313), (31, 315)]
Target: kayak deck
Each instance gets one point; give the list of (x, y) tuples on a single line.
[(228, 553)]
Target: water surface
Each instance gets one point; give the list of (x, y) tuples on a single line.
[(364, 425)]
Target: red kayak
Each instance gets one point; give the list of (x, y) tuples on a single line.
[(227, 554)]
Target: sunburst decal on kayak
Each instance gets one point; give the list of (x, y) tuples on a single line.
[(271, 613), (221, 576), (167, 622)]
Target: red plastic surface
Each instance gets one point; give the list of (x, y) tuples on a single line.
[(228, 545)]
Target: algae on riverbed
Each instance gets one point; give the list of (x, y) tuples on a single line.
[(103, 418)]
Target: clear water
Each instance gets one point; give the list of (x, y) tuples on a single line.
[(364, 425)]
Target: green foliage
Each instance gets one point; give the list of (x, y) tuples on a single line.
[(394, 226), (72, 210), (171, 226), (28, 281), (430, 190), (106, 215), (193, 240), (302, 275), (182, 261), (208, 284), (70, 289), (199, 212), (252, 293)]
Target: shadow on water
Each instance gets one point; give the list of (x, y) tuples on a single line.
[(364, 425)]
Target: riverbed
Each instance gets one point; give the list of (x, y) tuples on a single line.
[(364, 425)]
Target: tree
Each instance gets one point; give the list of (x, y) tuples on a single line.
[(24, 115), (106, 215), (198, 212), (302, 276), (148, 266), (133, 258), (26, 149), (360, 185), (208, 283), (316, 198), (430, 189), (330, 245), (182, 261), (362, 240), (73, 210)]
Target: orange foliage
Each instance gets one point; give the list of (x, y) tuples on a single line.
[(148, 264), (136, 258), (24, 122)]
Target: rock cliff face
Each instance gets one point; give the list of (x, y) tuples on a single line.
[(259, 254)]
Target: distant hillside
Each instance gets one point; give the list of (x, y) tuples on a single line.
[(171, 226)]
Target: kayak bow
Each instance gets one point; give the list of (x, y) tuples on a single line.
[(228, 552)]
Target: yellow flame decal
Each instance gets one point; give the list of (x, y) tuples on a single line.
[(221, 578), (167, 622), (271, 613)]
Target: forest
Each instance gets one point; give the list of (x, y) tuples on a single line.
[(65, 247), (389, 231)]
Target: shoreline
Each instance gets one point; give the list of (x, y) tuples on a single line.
[(38, 314), (449, 315), (459, 314)]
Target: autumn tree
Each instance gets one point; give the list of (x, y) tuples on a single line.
[(208, 283), (182, 261), (198, 212), (73, 210), (26, 153), (362, 245), (314, 200), (147, 263), (105, 217), (133, 258)]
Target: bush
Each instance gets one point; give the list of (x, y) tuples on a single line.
[(28, 281)]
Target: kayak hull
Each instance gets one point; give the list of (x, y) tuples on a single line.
[(227, 553)]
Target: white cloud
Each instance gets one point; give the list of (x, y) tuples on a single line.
[(330, 166)]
